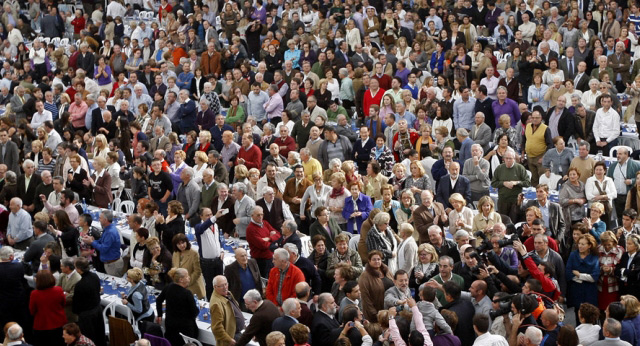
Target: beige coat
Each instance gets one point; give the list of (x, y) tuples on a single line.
[(190, 260), (68, 286), (223, 321)]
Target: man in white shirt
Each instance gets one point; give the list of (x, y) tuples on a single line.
[(481, 324), (491, 82), (553, 44), (527, 28), (606, 126), (40, 116)]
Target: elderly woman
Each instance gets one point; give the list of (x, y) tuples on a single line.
[(156, 263), (601, 188), (137, 298), (320, 258), (181, 309), (398, 179), (407, 248), (610, 255), (185, 257), (594, 224), (505, 128), (572, 197), (383, 239), (100, 183), (275, 339), (487, 217), (374, 282), (344, 254), (418, 181), (461, 217), (325, 226), (337, 199), (374, 180), (388, 205), (342, 274), (72, 335), (172, 225), (316, 194), (407, 205), (335, 166), (590, 96), (583, 272), (425, 268), (356, 209)]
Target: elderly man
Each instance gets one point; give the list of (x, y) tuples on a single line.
[(427, 214), (187, 113), (139, 98), (620, 63), (249, 154), (453, 183), (292, 310), (535, 143), (226, 317), (33, 253), (509, 178), (343, 128), (611, 330), (245, 267), (284, 141), (311, 273), (108, 245), (325, 328), (9, 152), (560, 120), (68, 283), (243, 208), (504, 105), (275, 177), (44, 188), (274, 106), (283, 278), (209, 248), (260, 234), (309, 164), (623, 172), (189, 195), (40, 116), (276, 211), (476, 170), (19, 228), (264, 313), (294, 191)]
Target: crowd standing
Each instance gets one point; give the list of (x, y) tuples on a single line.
[(400, 137)]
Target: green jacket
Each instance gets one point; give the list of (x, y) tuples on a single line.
[(632, 168), (455, 278), (503, 174)]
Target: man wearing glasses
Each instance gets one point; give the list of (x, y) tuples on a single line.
[(446, 266)]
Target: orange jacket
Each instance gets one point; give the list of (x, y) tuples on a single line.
[(292, 278)]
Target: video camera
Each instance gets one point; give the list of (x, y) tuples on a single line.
[(504, 307)]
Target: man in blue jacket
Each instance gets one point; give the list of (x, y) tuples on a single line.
[(187, 113), (108, 245)]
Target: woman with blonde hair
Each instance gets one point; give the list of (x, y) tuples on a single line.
[(632, 307), (201, 164), (407, 248), (594, 224), (181, 309), (102, 147), (461, 217), (418, 181), (426, 268), (407, 205), (487, 217), (252, 185), (610, 255), (137, 298), (186, 257), (583, 271)]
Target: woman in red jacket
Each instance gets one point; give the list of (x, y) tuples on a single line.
[(47, 308)]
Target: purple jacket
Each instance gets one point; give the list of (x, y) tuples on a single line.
[(509, 107), (491, 19)]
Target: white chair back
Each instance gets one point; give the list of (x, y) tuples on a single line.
[(128, 206), (116, 204), (614, 151), (187, 340), (109, 310), (353, 242)]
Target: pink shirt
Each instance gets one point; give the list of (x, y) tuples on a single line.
[(78, 113)]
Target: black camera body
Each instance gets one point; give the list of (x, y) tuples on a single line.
[(504, 307)]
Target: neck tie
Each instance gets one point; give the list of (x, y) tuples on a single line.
[(570, 66)]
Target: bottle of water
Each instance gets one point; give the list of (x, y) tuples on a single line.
[(84, 205), (188, 226), (195, 298), (221, 236)]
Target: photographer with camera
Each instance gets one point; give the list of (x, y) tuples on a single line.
[(522, 308), (549, 286)]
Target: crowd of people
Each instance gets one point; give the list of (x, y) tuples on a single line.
[(398, 138)]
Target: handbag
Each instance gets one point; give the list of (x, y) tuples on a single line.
[(607, 205)]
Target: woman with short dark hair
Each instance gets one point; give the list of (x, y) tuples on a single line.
[(186, 257), (47, 308), (73, 337)]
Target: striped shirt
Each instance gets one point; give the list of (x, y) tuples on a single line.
[(46, 166), (635, 20), (51, 107)]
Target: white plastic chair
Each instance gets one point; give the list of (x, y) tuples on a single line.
[(109, 310), (116, 204), (187, 340), (117, 194), (127, 192), (56, 41), (615, 149), (64, 42), (128, 207), (353, 242), (497, 54)]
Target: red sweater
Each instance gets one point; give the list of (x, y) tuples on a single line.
[(371, 100), (553, 245), (258, 246), (286, 145), (413, 137), (252, 157), (291, 279), (47, 308), (384, 81)]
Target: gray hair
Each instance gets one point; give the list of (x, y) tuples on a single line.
[(462, 132), (291, 225), (322, 299), (26, 163), (290, 247), (188, 171), (534, 335), (281, 254), (585, 144), (434, 229), (17, 200), (221, 185), (14, 333), (290, 304), (343, 72), (267, 190), (306, 151), (476, 145), (380, 218), (460, 233), (11, 177), (240, 186), (5, 253), (108, 214), (448, 259), (68, 262), (614, 327), (502, 87), (269, 126), (593, 81), (253, 295), (335, 162)]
